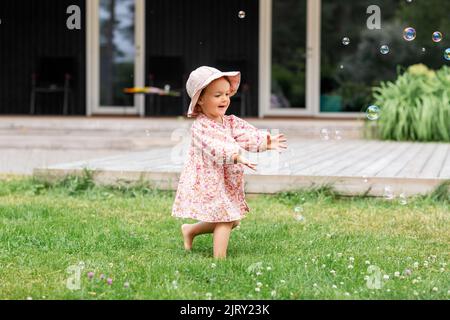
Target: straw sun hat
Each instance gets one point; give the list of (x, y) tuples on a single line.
[(201, 77)]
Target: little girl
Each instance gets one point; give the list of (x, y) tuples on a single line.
[(211, 185)]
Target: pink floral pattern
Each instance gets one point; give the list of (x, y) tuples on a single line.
[(211, 186)]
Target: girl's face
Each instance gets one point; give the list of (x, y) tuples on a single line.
[(215, 99)]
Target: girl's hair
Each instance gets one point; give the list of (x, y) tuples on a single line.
[(197, 106)]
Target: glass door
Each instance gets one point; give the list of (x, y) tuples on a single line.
[(289, 40), (115, 56)]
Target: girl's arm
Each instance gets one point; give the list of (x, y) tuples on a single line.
[(248, 136)]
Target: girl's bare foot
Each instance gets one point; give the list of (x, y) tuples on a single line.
[(187, 236)]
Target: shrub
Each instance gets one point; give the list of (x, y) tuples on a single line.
[(416, 107)]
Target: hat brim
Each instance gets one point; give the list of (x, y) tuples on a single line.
[(235, 80)]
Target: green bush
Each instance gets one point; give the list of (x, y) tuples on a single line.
[(416, 107)]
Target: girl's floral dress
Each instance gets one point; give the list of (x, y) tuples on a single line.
[(211, 186)]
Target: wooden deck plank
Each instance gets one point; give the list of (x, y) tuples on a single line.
[(311, 157), (433, 166), (413, 169), (370, 157), (333, 159), (369, 146), (375, 167), (445, 170), (399, 163)]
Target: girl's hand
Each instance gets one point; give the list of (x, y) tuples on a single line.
[(277, 142), (246, 162)]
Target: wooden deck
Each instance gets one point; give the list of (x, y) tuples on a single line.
[(351, 166)]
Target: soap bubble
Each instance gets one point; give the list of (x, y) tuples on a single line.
[(403, 199), (384, 49), (337, 135), (388, 193), (298, 214), (437, 36), (345, 41), (325, 134), (409, 34), (373, 112), (241, 14), (447, 54), (298, 209)]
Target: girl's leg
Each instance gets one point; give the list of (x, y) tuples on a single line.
[(221, 236), (190, 231)]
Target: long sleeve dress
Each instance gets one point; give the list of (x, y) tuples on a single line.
[(211, 186)]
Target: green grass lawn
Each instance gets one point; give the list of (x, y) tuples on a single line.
[(345, 248)]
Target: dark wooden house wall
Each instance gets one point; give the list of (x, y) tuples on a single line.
[(183, 35), (179, 33), (31, 29)]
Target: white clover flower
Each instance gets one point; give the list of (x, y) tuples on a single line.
[(416, 265), (283, 281), (257, 289), (415, 281), (269, 268), (397, 274), (213, 265), (351, 259), (259, 273), (435, 289), (347, 294), (388, 290), (273, 293), (367, 262), (341, 283), (315, 285), (334, 286), (350, 266), (332, 272), (386, 277), (259, 284)]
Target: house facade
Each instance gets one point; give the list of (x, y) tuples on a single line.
[(76, 57)]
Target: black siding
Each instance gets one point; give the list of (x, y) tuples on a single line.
[(201, 32), (31, 29)]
